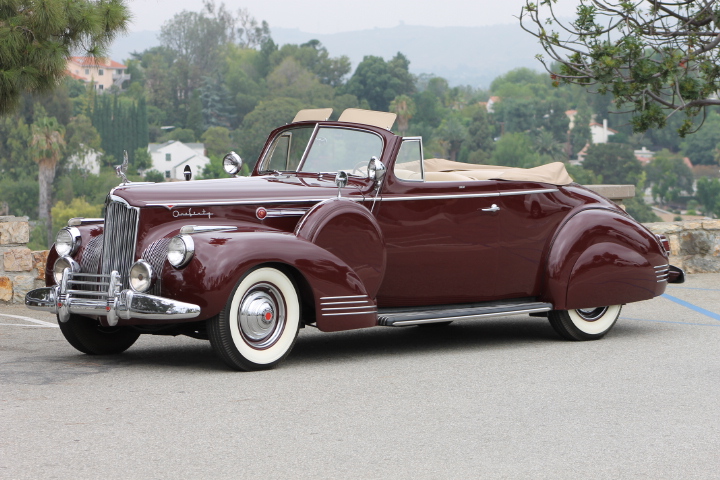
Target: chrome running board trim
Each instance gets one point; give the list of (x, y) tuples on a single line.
[(398, 318)]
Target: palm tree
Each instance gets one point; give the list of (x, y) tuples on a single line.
[(404, 107), (47, 142), (545, 144)]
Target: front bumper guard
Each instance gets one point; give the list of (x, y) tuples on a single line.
[(111, 302)]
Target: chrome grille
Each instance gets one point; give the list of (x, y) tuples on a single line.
[(90, 261), (155, 254), (120, 234)]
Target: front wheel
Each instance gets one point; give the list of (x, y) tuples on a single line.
[(257, 328), (88, 336), (584, 323)]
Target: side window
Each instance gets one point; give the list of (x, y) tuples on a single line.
[(336, 149), (409, 162)]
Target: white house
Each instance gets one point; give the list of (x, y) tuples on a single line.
[(601, 133), (170, 158), (88, 160)]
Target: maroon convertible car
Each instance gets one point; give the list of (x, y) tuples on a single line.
[(345, 225)]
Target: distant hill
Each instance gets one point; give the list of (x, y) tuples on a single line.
[(463, 55)]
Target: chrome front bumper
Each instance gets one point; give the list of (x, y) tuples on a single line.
[(105, 299)]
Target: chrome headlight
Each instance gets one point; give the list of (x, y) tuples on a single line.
[(141, 276), (232, 163), (61, 264), (68, 241), (180, 250)]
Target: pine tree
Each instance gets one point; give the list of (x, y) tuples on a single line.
[(38, 38)]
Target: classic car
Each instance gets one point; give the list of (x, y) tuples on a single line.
[(344, 225)]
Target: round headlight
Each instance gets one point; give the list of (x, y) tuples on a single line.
[(232, 163), (67, 241), (61, 264), (141, 276), (180, 250)]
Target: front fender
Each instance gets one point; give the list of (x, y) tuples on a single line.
[(600, 257), (222, 258)]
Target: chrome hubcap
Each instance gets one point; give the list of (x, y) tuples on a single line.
[(261, 315), (591, 314)]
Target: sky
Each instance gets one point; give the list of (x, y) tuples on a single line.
[(333, 16)]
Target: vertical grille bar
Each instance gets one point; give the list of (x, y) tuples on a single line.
[(119, 240)]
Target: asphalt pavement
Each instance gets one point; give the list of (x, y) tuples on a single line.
[(497, 398)]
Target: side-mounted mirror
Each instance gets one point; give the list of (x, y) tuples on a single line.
[(376, 170), (232, 163), (187, 172), (341, 180)]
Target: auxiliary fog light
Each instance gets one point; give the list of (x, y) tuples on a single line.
[(61, 264), (141, 276), (180, 250), (67, 241)]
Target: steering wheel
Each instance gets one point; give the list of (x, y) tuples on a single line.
[(361, 168)]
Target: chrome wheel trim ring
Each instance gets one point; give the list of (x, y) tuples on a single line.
[(261, 316), (591, 314)]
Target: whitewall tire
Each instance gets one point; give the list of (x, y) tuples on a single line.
[(584, 324), (259, 325)]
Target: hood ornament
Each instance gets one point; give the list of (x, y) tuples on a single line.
[(120, 170)]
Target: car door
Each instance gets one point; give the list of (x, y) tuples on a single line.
[(440, 232), (529, 215)]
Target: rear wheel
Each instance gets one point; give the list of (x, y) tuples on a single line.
[(88, 336), (257, 328), (584, 323)]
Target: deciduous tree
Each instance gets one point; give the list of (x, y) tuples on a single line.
[(656, 57)]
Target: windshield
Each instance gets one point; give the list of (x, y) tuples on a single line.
[(336, 149)]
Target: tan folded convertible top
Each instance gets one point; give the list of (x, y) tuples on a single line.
[(552, 173)]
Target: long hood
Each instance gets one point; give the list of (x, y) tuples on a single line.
[(241, 190)]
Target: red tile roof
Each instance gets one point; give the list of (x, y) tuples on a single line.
[(99, 62), (72, 75)]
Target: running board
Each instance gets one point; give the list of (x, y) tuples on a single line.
[(394, 317)]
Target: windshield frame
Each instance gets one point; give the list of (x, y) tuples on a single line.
[(267, 157)]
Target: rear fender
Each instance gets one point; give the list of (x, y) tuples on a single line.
[(600, 257), (223, 258)]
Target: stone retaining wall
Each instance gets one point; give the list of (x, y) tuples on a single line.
[(21, 270), (694, 245)]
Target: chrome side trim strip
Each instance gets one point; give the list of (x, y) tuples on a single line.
[(341, 303), (474, 195), (439, 197), (527, 192), (253, 201), (345, 296), (667, 265), (327, 309), (286, 212), (348, 313), (189, 229)]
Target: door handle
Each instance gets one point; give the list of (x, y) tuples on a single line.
[(494, 208)]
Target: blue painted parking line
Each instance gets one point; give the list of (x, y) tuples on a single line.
[(669, 321), (689, 305)]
